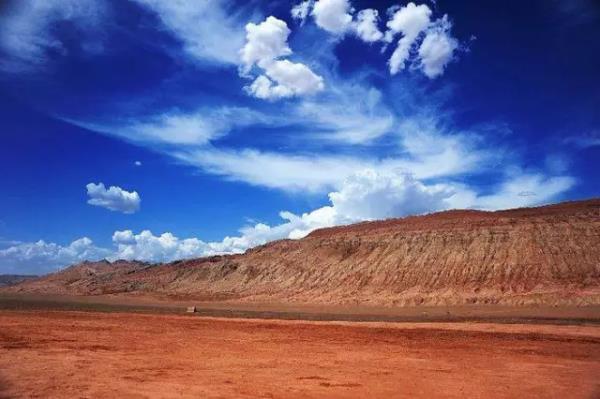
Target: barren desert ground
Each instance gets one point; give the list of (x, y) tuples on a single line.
[(71, 354)]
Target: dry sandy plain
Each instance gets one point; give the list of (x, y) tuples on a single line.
[(91, 354)]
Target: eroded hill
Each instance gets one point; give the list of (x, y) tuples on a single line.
[(546, 255)]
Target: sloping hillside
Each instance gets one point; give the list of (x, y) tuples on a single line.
[(546, 255), (11, 279)]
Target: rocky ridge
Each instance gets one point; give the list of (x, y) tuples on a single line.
[(547, 255)]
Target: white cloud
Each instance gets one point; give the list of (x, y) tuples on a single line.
[(296, 77), (265, 44), (148, 247), (26, 33), (585, 140), (523, 189), (349, 114), (346, 116), (433, 152), (413, 22), (333, 16), (182, 128), (422, 149), (285, 79), (263, 88), (409, 21), (115, 198), (301, 10), (198, 127), (437, 49), (138, 163), (274, 170), (370, 195), (336, 17), (42, 257), (210, 31), (366, 25)]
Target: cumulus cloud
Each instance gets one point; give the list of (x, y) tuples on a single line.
[(366, 25), (168, 247), (42, 257), (211, 31), (409, 21), (333, 16), (26, 35), (369, 195), (115, 198), (285, 79), (265, 44), (163, 248), (301, 10), (437, 49), (337, 17)]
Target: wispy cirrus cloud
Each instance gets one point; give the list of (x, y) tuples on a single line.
[(349, 113), (586, 140), (27, 39), (519, 189), (289, 172), (180, 128), (211, 31)]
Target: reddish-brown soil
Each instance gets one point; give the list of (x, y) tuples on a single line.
[(540, 256), (126, 355)]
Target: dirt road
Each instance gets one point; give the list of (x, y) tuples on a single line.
[(95, 355)]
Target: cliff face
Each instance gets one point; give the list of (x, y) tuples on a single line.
[(546, 255)]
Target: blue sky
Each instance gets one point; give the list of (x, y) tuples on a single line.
[(159, 130)]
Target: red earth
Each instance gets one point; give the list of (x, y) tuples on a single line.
[(68, 354)]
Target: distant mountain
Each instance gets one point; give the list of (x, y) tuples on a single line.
[(545, 255), (11, 279)]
